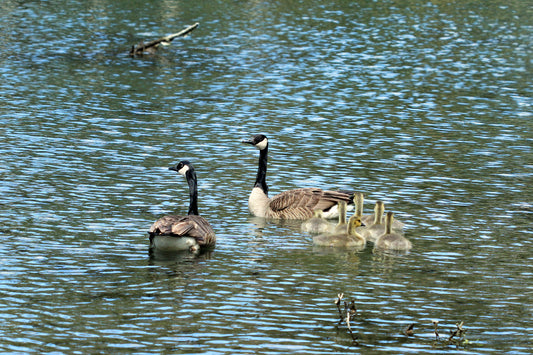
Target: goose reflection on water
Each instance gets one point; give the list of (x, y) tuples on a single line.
[(178, 258)]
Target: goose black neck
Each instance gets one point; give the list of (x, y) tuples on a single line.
[(190, 175), (260, 180)]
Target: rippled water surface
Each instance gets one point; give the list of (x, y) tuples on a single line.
[(426, 105)]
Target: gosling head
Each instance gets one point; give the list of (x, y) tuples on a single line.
[(357, 197), (355, 222), (182, 167), (260, 141), (318, 213)]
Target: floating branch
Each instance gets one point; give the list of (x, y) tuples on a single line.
[(151, 47)]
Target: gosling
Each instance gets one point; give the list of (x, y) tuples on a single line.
[(317, 224), (391, 240), (349, 238)]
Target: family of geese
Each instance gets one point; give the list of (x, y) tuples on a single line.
[(312, 205)]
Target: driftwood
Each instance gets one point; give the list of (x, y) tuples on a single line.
[(151, 47)]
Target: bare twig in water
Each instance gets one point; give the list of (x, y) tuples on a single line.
[(352, 310), (456, 335), (338, 304), (346, 314), (459, 332), (354, 337), (149, 47), (410, 330), (436, 325)]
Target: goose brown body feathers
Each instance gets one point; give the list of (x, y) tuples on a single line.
[(300, 203), (193, 226)]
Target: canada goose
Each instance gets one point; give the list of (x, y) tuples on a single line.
[(391, 240), (292, 204), (342, 225), (190, 232), (358, 199), (371, 219), (375, 228), (316, 224), (349, 238)]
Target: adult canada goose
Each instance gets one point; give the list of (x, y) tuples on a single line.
[(292, 204), (349, 238), (391, 240), (316, 224), (190, 232)]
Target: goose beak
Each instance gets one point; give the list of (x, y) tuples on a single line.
[(173, 168), (247, 141), (363, 225)]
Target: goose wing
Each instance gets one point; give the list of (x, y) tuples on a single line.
[(185, 226), (302, 202)]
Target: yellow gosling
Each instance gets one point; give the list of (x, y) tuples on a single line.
[(391, 240), (317, 224), (347, 239)]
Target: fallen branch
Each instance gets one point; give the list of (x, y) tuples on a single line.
[(152, 46)]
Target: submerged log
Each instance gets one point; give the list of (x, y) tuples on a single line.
[(151, 47)]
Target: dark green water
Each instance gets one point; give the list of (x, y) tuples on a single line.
[(426, 105)]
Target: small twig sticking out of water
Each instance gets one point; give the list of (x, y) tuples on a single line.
[(347, 314), (352, 308), (456, 335), (459, 332), (354, 337), (410, 330), (436, 325), (338, 304)]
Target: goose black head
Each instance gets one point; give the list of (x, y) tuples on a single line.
[(182, 167), (260, 141)]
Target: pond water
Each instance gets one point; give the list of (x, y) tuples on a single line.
[(426, 105)]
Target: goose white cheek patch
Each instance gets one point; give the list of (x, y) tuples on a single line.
[(184, 170), (262, 145)]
